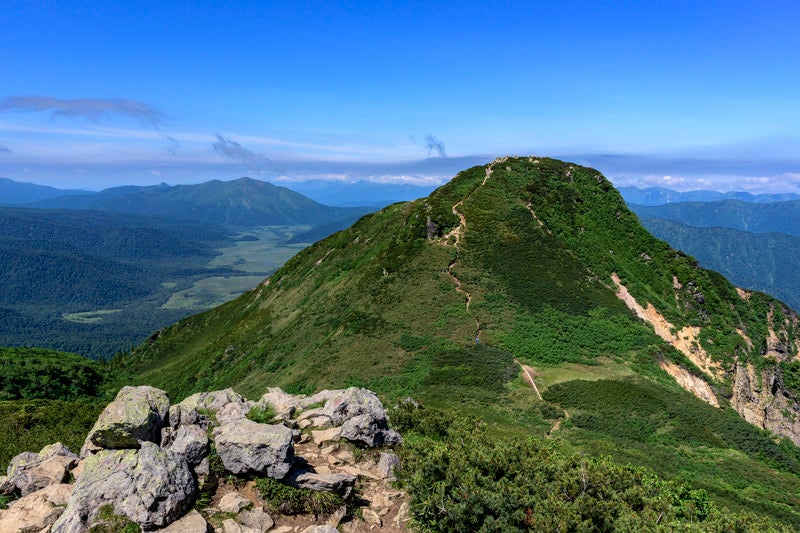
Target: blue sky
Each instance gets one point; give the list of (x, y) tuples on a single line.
[(680, 94)]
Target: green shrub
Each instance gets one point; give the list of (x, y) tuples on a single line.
[(262, 415), (290, 500), (464, 477)]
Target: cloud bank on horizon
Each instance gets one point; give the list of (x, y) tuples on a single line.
[(651, 95)]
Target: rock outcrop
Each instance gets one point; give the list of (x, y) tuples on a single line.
[(145, 461)]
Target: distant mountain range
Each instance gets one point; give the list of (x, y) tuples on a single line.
[(239, 203), (776, 217), (16, 192), (659, 196)]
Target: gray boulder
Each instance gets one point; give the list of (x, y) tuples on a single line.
[(191, 442), (233, 503), (354, 402), (135, 415), (29, 472), (341, 484), (247, 447), (257, 519), (363, 428), (391, 438), (151, 486), (234, 411)]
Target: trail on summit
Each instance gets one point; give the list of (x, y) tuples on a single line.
[(457, 234)]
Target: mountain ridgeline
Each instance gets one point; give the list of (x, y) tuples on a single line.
[(244, 202), (524, 267)]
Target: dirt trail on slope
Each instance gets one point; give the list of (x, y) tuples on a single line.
[(557, 423), (456, 234), (528, 374)]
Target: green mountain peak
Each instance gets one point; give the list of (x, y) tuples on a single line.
[(525, 258)]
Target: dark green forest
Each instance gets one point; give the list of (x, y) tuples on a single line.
[(764, 262)]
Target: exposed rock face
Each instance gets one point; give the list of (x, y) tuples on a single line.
[(689, 382), (135, 415), (248, 447), (151, 486), (763, 400), (36, 511)]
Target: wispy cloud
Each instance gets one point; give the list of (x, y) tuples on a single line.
[(435, 145), (4, 149), (254, 161), (92, 109), (172, 145)]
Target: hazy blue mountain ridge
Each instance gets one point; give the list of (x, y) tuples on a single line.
[(775, 217), (16, 192), (658, 196)]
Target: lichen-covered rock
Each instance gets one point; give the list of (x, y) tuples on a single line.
[(29, 472), (36, 511), (135, 415), (151, 486), (180, 414), (247, 447), (191, 442)]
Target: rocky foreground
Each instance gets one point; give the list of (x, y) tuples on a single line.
[(196, 466)]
